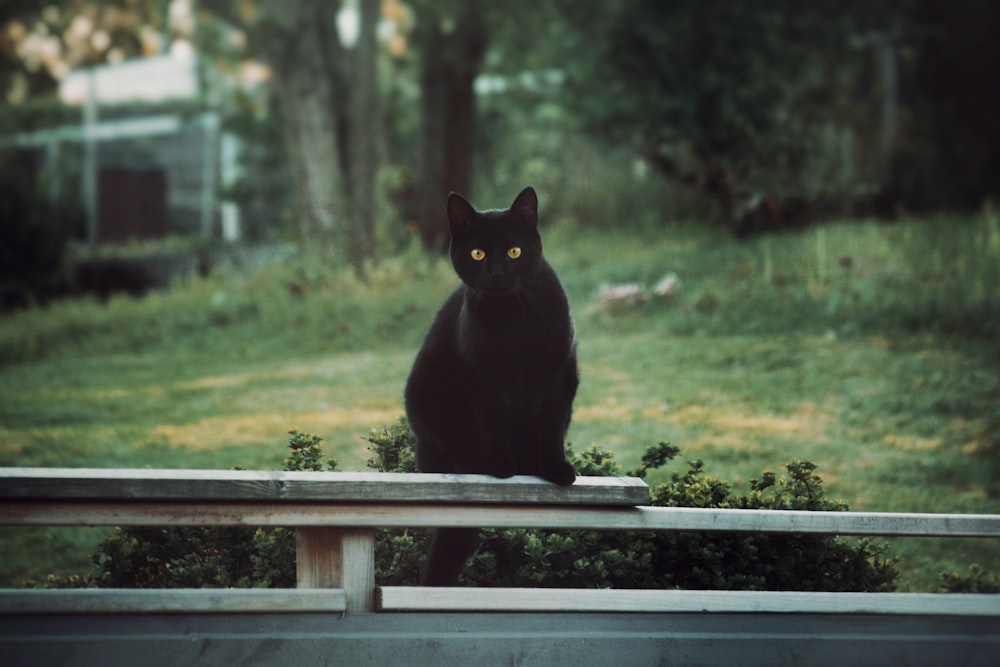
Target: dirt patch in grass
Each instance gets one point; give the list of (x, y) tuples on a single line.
[(887, 380)]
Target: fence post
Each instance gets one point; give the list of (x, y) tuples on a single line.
[(338, 558)]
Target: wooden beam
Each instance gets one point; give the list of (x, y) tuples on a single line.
[(250, 485), (358, 568), (434, 640), (401, 598), (342, 558), (317, 558), (418, 515), (187, 601), (414, 599)]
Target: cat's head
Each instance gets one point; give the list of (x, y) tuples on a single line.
[(493, 251)]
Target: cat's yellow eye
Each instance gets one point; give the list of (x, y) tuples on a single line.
[(478, 255), (514, 252)]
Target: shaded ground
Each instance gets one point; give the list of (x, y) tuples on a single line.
[(894, 427), (865, 349)]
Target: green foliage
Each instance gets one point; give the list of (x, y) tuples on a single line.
[(303, 302), (265, 187), (35, 236), (898, 321), (306, 453), (212, 557), (393, 448), (760, 561), (657, 457), (241, 557), (768, 91), (789, 96), (592, 559), (176, 558), (973, 581), (938, 275)]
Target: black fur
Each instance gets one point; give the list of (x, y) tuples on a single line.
[(492, 388)]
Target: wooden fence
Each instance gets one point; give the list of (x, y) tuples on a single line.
[(337, 615)]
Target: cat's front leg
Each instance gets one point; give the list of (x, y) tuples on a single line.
[(551, 442), (497, 458), (553, 422), (558, 471)]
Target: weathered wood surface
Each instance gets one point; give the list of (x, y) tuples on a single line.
[(341, 558), (70, 496), (534, 600), (21, 512), (251, 485), (335, 517), (403, 598), (174, 601), (488, 639)]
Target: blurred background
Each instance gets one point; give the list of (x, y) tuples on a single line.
[(346, 124), (776, 221)]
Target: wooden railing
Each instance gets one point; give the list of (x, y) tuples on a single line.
[(335, 516)]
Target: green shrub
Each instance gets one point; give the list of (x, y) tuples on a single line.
[(35, 236), (974, 581), (209, 557), (242, 557), (695, 560)]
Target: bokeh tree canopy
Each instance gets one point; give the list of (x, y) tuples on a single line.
[(775, 111), (836, 101)]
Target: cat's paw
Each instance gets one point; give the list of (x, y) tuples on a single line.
[(503, 469), (561, 473)]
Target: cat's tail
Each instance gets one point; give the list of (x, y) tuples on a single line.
[(450, 548)]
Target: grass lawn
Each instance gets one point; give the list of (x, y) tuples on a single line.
[(868, 349)]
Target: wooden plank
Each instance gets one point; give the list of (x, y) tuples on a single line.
[(249, 485), (317, 558), (186, 601), (823, 523), (417, 515), (358, 569), (402, 598), (436, 639), (341, 558)]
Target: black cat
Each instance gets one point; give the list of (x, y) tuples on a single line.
[(492, 388)]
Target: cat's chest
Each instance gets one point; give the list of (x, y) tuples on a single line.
[(513, 340)]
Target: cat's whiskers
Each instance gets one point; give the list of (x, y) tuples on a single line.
[(537, 307)]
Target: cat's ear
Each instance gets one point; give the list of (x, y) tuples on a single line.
[(460, 213), (527, 204)]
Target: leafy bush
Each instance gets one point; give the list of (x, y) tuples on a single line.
[(287, 300), (214, 556), (242, 557), (36, 233), (595, 559), (196, 557), (974, 581)]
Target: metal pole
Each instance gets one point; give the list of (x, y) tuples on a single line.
[(90, 162), (209, 158)]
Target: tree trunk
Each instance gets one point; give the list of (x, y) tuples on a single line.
[(291, 42), (327, 94), (450, 62), (361, 144)]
